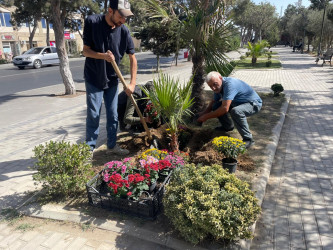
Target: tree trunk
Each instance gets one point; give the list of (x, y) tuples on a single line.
[(106, 5), (158, 63), (30, 40), (198, 83), (47, 32), (58, 18), (174, 144)]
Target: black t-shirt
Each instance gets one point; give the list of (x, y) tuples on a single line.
[(100, 37)]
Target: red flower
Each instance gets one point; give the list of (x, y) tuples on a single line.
[(131, 178), (129, 193), (154, 166), (164, 164)]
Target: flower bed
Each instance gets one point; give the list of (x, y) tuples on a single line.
[(135, 185), (148, 207)]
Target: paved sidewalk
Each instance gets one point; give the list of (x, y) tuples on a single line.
[(297, 211)]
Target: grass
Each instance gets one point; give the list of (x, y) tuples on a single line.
[(25, 227), (10, 215), (261, 63)]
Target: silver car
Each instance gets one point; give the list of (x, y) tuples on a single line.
[(37, 57)]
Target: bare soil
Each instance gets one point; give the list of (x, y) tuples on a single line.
[(199, 146)]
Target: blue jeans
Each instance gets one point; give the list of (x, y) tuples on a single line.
[(238, 114), (95, 97)]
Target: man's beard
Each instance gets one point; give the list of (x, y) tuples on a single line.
[(115, 23)]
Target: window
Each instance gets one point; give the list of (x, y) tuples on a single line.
[(51, 26), (54, 49), (2, 20), (7, 19), (47, 51), (78, 23), (43, 23)]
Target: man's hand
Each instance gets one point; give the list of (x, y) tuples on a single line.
[(109, 56), (130, 89), (202, 119), (148, 119)]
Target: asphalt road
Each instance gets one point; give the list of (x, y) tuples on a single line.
[(13, 80)]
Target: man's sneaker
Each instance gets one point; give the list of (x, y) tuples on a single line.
[(222, 129), (249, 143), (117, 150)]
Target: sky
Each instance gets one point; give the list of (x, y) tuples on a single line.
[(282, 3)]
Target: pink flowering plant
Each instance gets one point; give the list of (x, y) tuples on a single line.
[(131, 177)]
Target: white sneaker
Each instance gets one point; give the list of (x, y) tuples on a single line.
[(117, 150)]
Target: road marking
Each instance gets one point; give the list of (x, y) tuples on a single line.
[(35, 72)]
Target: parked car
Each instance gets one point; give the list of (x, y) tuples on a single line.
[(37, 57)]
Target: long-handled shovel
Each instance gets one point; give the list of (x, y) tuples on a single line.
[(120, 76)]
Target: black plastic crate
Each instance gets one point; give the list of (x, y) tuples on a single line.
[(147, 208)]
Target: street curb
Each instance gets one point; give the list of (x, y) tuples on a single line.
[(259, 186), (128, 227)]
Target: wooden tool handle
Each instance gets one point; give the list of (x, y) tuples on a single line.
[(120, 76)]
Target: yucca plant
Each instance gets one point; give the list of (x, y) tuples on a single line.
[(172, 101)]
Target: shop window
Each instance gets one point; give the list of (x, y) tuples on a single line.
[(7, 19)]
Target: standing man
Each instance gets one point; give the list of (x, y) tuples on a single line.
[(232, 96), (106, 38)]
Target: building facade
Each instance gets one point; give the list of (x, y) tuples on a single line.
[(15, 40)]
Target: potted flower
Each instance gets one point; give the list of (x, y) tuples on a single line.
[(151, 112), (230, 147)]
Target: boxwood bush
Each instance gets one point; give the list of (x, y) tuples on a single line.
[(62, 168), (206, 201)]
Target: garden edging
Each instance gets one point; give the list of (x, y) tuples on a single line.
[(260, 186)]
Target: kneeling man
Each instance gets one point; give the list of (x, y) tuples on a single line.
[(235, 97)]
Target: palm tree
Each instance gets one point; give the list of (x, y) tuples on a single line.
[(257, 49), (172, 101), (205, 30)]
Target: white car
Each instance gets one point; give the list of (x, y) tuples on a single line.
[(37, 57)]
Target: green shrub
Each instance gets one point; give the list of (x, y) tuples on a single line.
[(3, 61), (242, 57), (247, 54), (277, 89), (204, 201), (62, 168), (268, 63)]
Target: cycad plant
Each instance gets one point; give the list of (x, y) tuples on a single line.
[(172, 101), (257, 49)]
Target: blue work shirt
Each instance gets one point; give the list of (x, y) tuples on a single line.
[(237, 91), (100, 37)]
